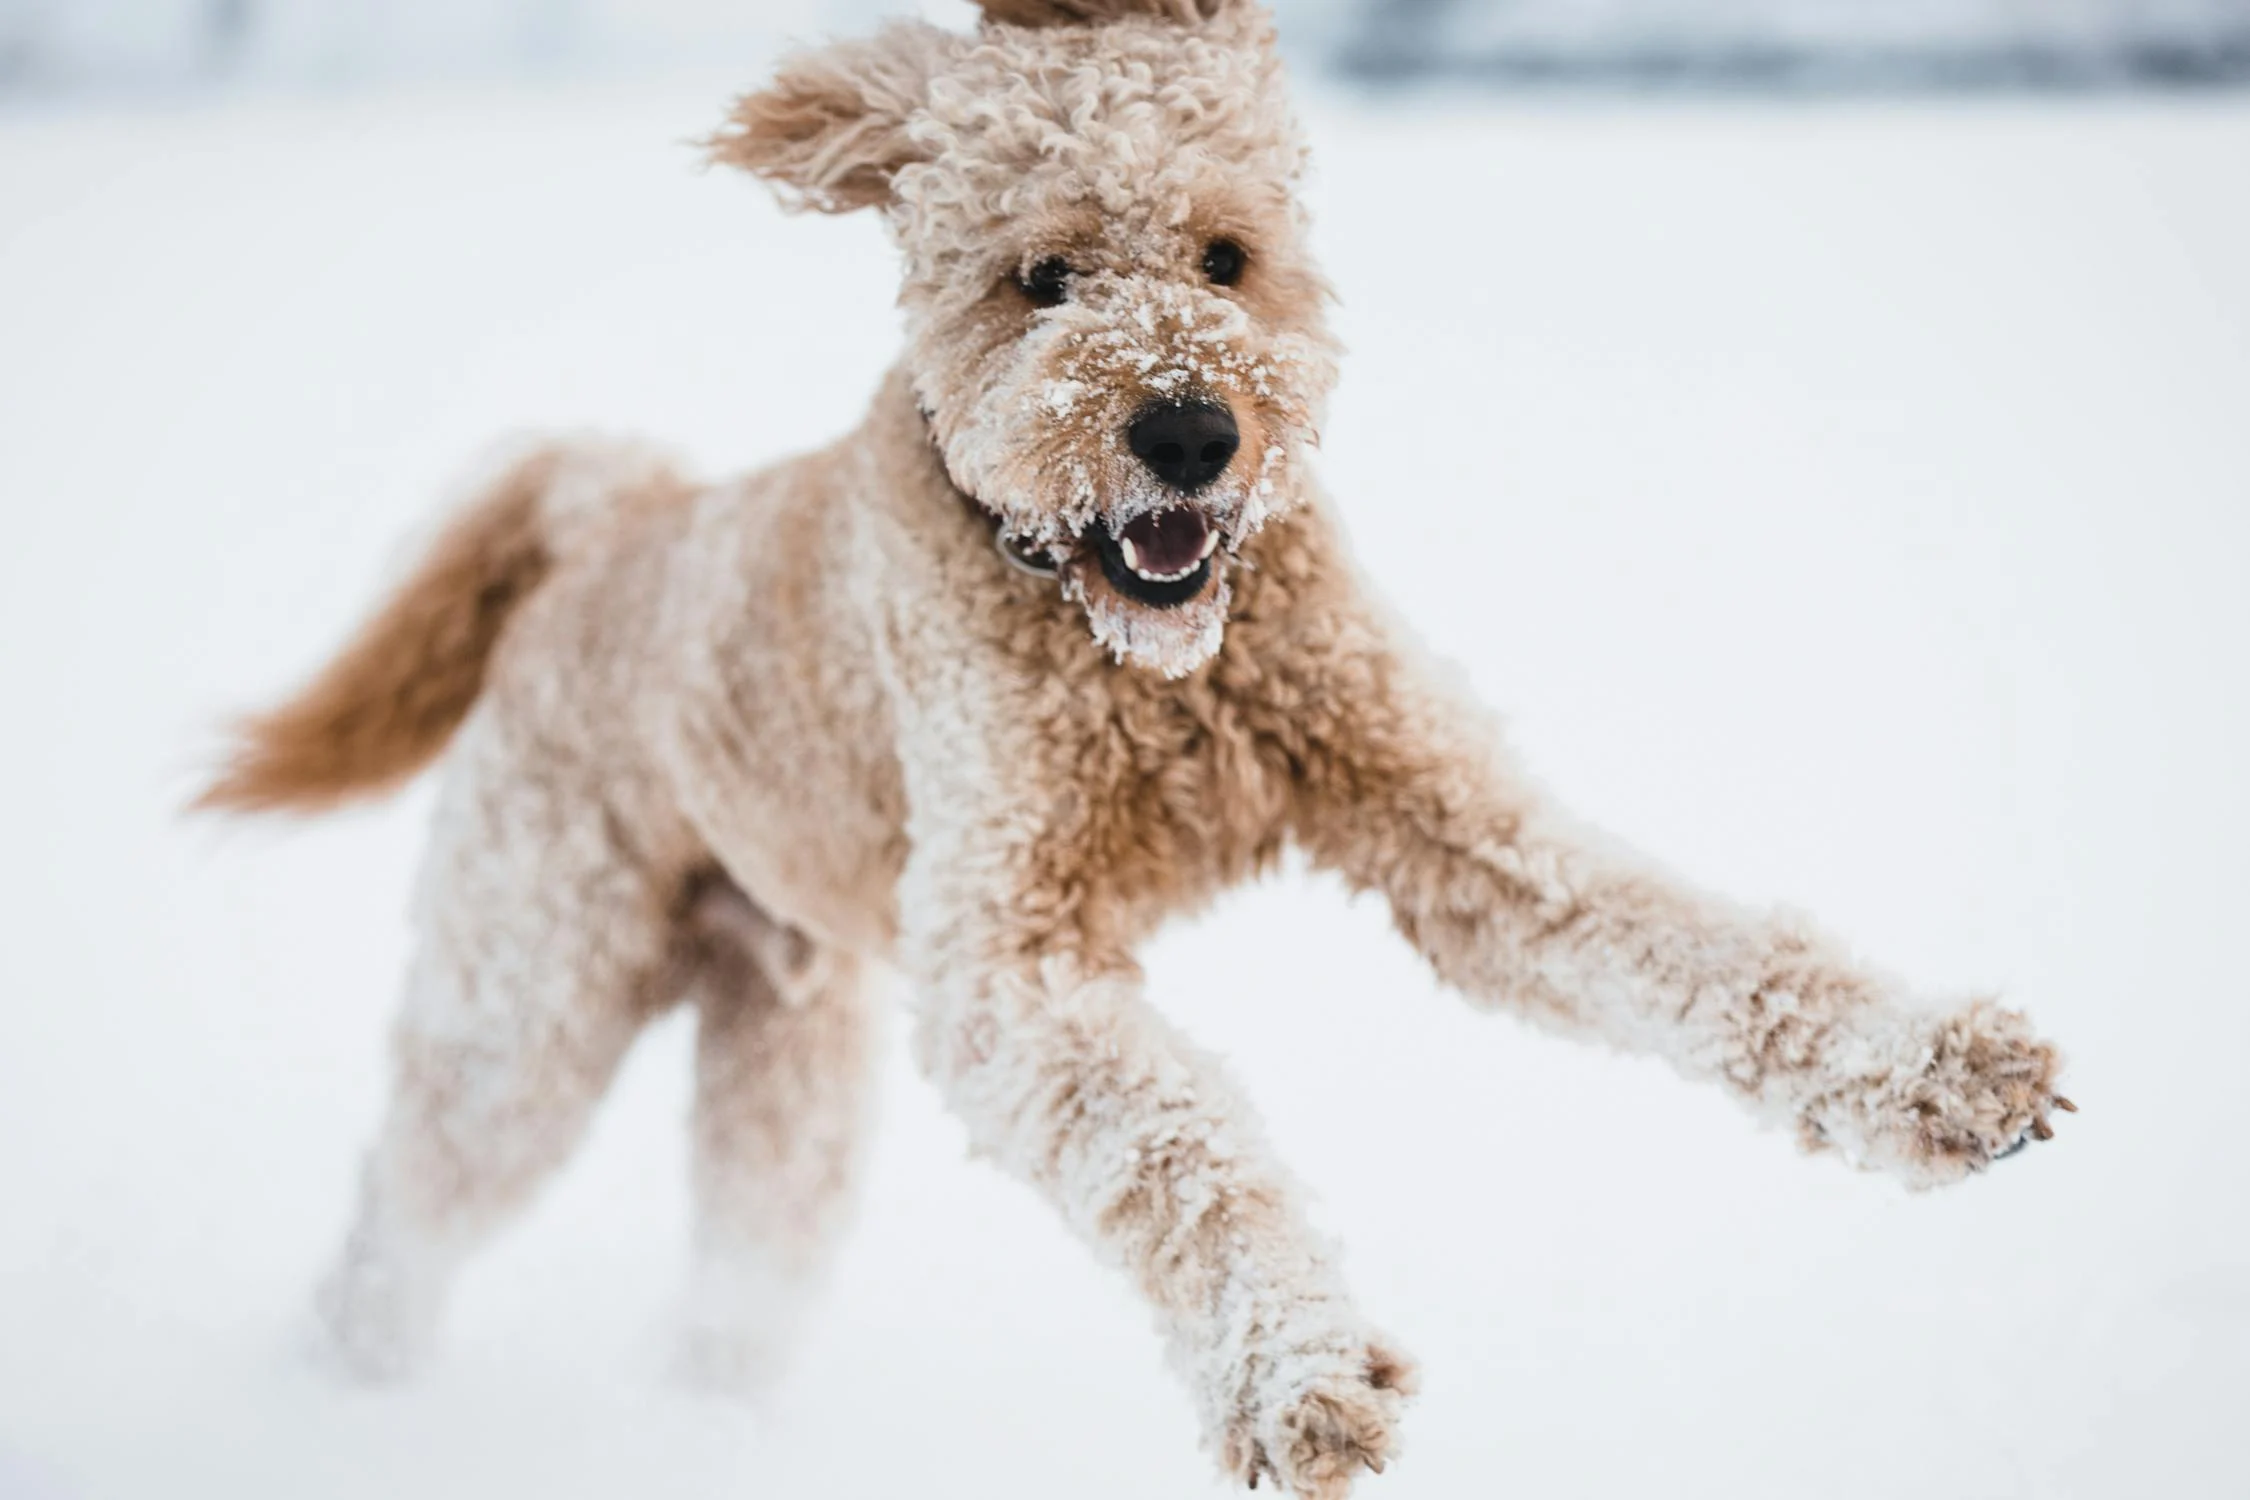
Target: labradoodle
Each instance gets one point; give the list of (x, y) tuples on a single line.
[(1060, 642)]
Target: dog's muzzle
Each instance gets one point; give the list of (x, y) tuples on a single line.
[(1160, 559)]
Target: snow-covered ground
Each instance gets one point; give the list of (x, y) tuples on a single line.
[(1850, 506)]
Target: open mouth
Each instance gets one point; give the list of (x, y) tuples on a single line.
[(1160, 559)]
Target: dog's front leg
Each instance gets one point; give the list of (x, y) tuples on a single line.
[(1039, 1038), (1404, 788)]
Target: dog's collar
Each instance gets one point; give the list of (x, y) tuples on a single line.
[(1016, 555)]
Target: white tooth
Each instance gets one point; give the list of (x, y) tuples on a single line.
[(1210, 543), (1132, 556)]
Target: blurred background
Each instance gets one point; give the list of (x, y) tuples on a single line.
[(127, 45), (1823, 426)]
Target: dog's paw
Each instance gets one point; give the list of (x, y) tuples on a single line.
[(721, 1357), (1936, 1098), (373, 1324), (723, 1362), (1331, 1416), (738, 1328)]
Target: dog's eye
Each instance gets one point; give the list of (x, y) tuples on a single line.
[(1047, 282), (1223, 261)]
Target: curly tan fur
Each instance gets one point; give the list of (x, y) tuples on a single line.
[(1095, 12), (832, 124), (384, 708), (740, 741)]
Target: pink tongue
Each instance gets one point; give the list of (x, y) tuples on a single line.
[(1170, 541)]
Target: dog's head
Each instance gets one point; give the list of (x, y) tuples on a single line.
[(1114, 330)]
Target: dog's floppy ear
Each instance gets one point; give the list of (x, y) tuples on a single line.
[(1097, 12), (830, 130)]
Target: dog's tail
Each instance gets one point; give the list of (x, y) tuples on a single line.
[(391, 699)]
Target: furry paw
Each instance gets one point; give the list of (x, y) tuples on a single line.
[(1333, 1414), (739, 1326), (373, 1322), (725, 1362), (1935, 1098)]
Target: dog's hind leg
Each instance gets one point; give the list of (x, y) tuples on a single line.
[(543, 943), (783, 1044)]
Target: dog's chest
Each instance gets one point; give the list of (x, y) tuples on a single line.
[(1169, 793)]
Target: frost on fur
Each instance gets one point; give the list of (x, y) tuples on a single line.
[(727, 746), (1123, 151)]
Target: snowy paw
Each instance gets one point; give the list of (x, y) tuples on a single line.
[(1936, 1098), (729, 1362), (739, 1326), (372, 1323), (1332, 1415)]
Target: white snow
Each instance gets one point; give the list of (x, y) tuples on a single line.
[(1851, 506)]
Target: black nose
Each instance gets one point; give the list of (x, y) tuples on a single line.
[(1186, 446)]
